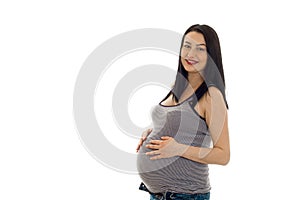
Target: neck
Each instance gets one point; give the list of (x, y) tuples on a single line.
[(195, 80)]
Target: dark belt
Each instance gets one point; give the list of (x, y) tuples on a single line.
[(166, 195), (144, 188)]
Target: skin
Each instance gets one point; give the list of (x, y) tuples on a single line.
[(211, 106)]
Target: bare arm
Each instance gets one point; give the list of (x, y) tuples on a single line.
[(217, 120)]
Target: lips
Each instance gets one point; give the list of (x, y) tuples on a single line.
[(191, 62)]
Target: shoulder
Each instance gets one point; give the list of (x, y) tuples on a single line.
[(214, 97), (215, 106), (214, 93)]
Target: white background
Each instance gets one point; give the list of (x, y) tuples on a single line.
[(44, 44)]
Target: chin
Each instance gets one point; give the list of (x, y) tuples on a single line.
[(191, 68)]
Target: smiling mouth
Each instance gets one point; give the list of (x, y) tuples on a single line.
[(191, 62)]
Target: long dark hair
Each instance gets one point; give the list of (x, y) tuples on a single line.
[(213, 73)]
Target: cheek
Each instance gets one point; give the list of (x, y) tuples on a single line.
[(202, 63), (183, 53), (182, 58), (202, 57)]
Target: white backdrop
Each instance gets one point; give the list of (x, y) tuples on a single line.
[(44, 44)]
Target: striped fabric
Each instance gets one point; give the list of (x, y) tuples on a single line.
[(176, 174)]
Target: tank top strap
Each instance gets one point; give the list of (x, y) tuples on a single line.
[(201, 90)]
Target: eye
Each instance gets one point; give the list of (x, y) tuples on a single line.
[(187, 46), (200, 49)]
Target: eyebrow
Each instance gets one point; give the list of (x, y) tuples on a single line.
[(202, 44)]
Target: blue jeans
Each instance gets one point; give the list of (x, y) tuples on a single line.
[(179, 196), (175, 196)]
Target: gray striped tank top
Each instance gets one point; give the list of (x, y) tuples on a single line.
[(176, 174)]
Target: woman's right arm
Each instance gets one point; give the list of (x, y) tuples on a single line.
[(143, 138)]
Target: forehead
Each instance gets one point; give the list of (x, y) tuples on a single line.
[(195, 37)]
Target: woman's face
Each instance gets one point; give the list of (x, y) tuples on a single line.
[(193, 52)]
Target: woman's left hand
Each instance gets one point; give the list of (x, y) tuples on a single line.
[(167, 147)]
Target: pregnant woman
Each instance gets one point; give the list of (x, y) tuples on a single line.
[(190, 128)]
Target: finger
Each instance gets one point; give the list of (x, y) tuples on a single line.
[(146, 133), (144, 137), (155, 141), (139, 145), (138, 148), (151, 153), (140, 142), (152, 146), (156, 157), (165, 137)]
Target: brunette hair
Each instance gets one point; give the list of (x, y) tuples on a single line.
[(213, 73)]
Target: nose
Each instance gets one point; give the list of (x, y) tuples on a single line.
[(191, 53)]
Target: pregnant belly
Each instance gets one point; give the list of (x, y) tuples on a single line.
[(154, 173), (170, 173), (145, 165)]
